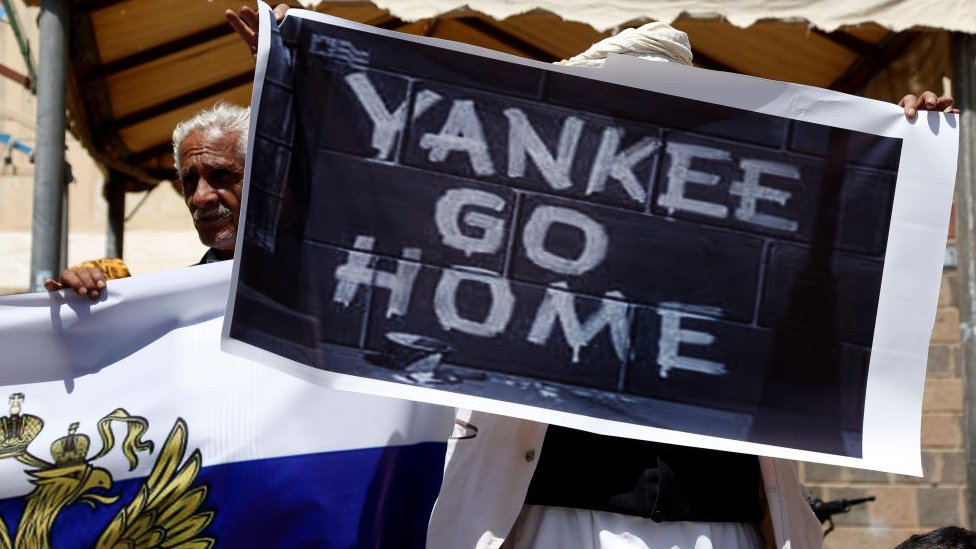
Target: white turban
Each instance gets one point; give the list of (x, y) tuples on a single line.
[(653, 41)]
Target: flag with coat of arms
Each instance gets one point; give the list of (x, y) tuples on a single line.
[(125, 425)]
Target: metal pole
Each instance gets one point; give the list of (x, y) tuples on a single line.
[(115, 195), (63, 237), (963, 82), (49, 184)]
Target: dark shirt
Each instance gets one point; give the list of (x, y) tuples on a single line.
[(659, 481), (209, 257)]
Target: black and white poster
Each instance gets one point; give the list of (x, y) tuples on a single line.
[(642, 250)]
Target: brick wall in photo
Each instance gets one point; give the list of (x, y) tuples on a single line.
[(763, 234)]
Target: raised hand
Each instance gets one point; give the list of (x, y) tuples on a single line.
[(926, 101), (245, 22)]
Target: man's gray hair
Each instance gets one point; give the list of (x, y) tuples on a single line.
[(221, 118)]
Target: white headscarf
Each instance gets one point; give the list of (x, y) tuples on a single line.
[(653, 41)]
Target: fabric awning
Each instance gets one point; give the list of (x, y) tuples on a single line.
[(827, 15)]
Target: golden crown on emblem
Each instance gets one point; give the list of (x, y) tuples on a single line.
[(71, 449), (17, 430)]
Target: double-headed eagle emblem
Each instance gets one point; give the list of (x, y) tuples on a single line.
[(165, 512)]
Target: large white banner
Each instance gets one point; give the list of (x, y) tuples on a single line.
[(124, 413), (646, 250)]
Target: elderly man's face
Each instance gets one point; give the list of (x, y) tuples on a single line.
[(213, 179)]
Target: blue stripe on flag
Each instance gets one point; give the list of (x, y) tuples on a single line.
[(374, 497)]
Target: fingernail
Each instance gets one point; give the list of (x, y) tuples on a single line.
[(93, 294), (911, 113), (82, 291), (101, 284), (930, 103)]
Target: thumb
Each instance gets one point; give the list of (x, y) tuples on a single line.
[(52, 285)]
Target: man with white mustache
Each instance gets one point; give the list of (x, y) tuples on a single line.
[(209, 151)]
